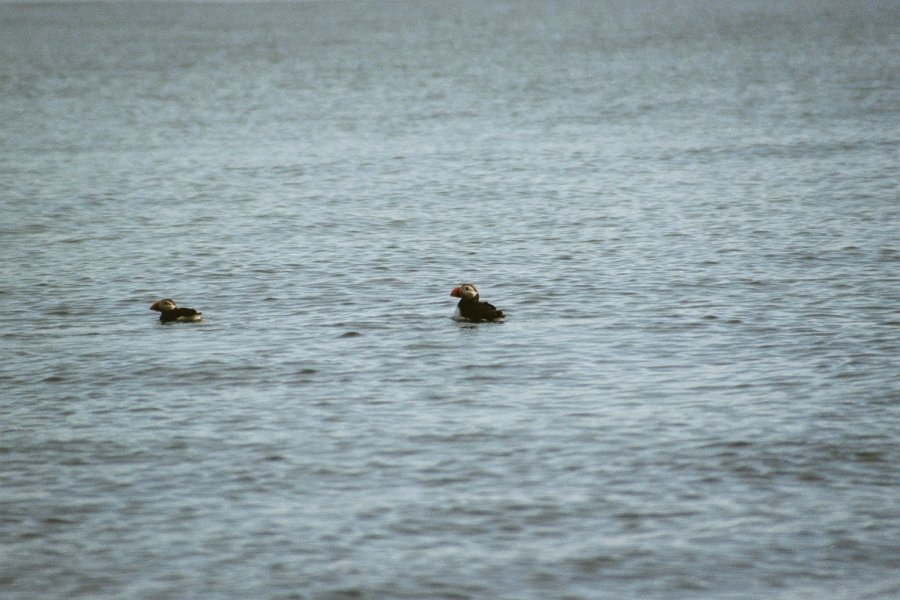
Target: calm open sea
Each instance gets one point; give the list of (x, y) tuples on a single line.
[(688, 210)]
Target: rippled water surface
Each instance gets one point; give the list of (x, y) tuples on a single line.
[(689, 212)]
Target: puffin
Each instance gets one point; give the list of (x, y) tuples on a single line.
[(471, 308), (169, 313)]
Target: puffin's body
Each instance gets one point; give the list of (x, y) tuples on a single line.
[(169, 313), (471, 308)]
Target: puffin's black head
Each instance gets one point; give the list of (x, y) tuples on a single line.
[(465, 291), (163, 305)]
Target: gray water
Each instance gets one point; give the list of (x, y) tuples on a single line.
[(688, 210)]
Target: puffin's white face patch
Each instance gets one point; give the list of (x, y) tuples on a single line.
[(467, 291), (166, 304)]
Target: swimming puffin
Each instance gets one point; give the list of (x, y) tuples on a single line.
[(471, 308), (170, 313)]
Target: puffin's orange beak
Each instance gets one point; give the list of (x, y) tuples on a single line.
[(455, 292), (155, 305)]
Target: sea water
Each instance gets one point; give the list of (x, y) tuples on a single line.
[(689, 212)]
